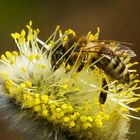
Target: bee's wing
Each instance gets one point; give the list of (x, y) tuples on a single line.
[(119, 48), (123, 49)]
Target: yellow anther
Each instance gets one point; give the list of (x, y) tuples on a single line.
[(98, 29), (42, 66), (36, 95), (90, 36), (99, 123), (58, 109), (52, 106), (9, 83), (68, 67), (58, 115), (45, 98), (45, 113), (12, 61), (15, 53), (8, 54), (37, 108), (71, 124), (96, 101), (136, 81), (65, 38), (23, 33), (31, 57), (25, 96), (37, 101), (38, 56), (22, 85), (66, 80), (64, 106), (37, 30), (70, 108), (83, 118), (65, 86), (30, 23), (35, 33), (97, 34), (77, 113), (70, 31), (104, 116), (29, 37), (86, 125), (137, 109), (28, 83), (66, 119), (90, 119), (3, 58), (51, 44), (74, 117), (57, 27), (43, 106), (60, 33), (29, 97), (15, 35), (77, 89)]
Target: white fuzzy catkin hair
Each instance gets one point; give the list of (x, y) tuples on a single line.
[(43, 104)]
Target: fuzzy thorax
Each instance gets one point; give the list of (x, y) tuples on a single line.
[(65, 100)]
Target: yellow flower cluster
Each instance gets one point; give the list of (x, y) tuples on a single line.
[(9, 57), (63, 97), (53, 110)]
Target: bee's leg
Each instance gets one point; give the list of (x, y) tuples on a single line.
[(103, 93), (57, 58), (83, 63), (102, 97)]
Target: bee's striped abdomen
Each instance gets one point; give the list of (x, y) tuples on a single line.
[(115, 67)]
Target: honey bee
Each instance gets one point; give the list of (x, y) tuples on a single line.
[(108, 55)]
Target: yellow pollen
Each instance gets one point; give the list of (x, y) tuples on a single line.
[(58, 109), (3, 58), (28, 83), (30, 23), (71, 124), (45, 113), (9, 83), (29, 37), (83, 118), (45, 98), (86, 125), (65, 86), (23, 33), (15, 35), (8, 54), (42, 66), (66, 119), (12, 61), (64, 106), (38, 56), (15, 53), (68, 67), (31, 57)]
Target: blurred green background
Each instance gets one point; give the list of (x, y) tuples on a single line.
[(118, 20)]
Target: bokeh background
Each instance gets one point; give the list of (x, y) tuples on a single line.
[(118, 20)]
